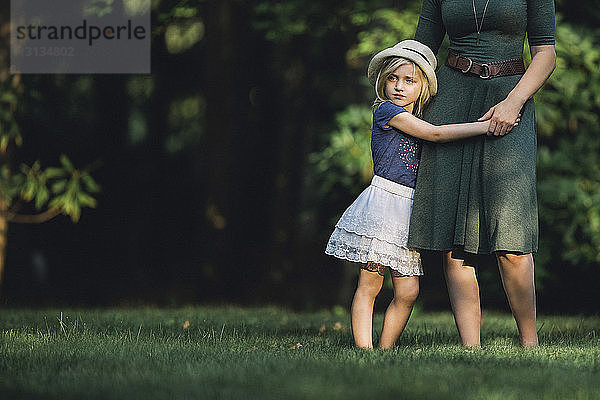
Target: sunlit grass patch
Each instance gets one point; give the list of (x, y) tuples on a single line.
[(271, 353)]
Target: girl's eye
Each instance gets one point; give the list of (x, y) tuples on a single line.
[(391, 78)]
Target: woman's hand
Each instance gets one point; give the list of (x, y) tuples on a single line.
[(503, 117), (489, 121)]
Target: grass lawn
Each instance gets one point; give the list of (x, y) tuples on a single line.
[(271, 353)]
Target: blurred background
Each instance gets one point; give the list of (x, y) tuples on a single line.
[(218, 177)]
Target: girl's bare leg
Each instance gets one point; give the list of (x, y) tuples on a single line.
[(517, 272), (406, 290), (369, 285), (463, 290)]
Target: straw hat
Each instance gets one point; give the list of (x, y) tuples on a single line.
[(412, 50)]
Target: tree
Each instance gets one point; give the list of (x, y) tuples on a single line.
[(53, 191)]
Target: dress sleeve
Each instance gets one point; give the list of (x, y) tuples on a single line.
[(385, 112), (540, 22), (431, 29)]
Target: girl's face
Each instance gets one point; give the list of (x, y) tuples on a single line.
[(403, 86)]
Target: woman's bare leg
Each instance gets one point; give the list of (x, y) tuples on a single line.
[(517, 272), (406, 290), (463, 291), (369, 285)]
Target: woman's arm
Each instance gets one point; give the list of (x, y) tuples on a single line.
[(503, 114), (411, 125), (431, 29)]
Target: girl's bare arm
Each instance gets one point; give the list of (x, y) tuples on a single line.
[(411, 125)]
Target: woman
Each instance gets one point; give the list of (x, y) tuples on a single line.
[(478, 196)]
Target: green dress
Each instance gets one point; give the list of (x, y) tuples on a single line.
[(479, 193)]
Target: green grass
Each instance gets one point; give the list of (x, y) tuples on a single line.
[(253, 353)]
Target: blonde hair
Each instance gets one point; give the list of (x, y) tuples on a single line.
[(386, 69)]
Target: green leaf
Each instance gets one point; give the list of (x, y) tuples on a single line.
[(41, 197), (57, 202), (90, 183), (28, 190), (53, 172), (64, 160), (59, 186), (73, 210), (85, 200)]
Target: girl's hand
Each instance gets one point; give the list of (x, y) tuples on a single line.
[(503, 117)]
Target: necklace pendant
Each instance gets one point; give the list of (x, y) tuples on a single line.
[(479, 25)]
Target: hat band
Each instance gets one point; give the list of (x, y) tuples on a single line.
[(418, 52)]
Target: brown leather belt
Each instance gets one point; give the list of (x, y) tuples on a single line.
[(494, 69)]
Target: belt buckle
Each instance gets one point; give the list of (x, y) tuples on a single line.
[(485, 68), (464, 71)]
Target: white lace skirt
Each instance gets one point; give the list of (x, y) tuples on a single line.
[(375, 228)]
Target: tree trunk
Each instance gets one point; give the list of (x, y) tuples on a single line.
[(3, 236), (222, 139), (4, 158)]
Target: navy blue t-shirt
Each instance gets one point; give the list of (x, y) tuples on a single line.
[(395, 154)]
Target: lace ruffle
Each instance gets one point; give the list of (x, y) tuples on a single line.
[(358, 248), (373, 225)]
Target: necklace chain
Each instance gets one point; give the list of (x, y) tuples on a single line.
[(477, 24)]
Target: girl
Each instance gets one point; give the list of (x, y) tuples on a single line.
[(374, 229)]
